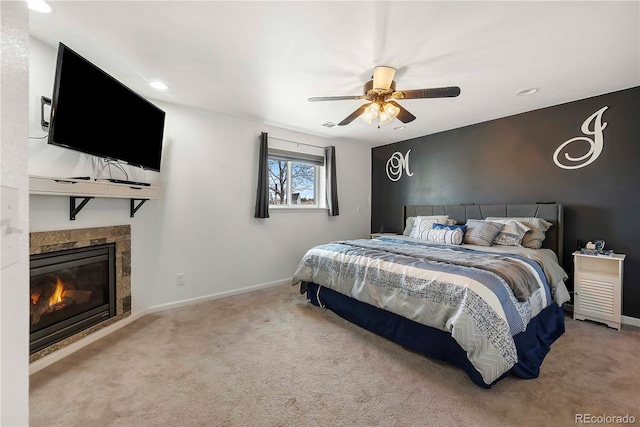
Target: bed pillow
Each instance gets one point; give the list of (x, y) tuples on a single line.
[(422, 224), (412, 220), (442, 219), (409, 226), (532, 239), (481, 232), (511, 234), (447, 236), (450, 227)]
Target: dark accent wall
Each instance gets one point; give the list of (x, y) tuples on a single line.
[(510, 160)]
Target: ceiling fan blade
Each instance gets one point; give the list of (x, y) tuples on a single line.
[(404, 116), (438, 92), (354, 115), (336, 98)]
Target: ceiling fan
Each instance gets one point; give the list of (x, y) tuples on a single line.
[(381, 94)]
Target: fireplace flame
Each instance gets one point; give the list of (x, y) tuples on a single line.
[(56, 298), (35, 297), (47, 298)]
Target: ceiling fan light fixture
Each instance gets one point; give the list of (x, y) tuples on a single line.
[(371, 112), (382, 78), (381, 93), (389, 113)]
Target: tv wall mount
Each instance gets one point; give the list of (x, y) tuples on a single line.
[(44, 101)]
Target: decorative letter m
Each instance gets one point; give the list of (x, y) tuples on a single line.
[(396, 163)]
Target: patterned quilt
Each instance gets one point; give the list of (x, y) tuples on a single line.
[(465, 292)]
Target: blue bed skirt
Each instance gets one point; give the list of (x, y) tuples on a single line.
[(532, 344)]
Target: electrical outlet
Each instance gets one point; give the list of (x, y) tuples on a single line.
[(181, 279)]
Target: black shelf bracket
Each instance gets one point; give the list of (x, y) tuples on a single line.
[(134, 207), (73, 209)]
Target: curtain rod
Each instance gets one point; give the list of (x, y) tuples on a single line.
[(299, 143)]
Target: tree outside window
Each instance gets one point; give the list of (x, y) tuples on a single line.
[(292, 183)]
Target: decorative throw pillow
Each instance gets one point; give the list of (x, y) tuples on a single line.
[(481, 232), (511, 234), (450, 227), (534, 238), (447, 236), (421, 227), (451, 222), (409, 226), (441, 219)]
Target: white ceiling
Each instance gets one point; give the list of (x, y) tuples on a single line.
[(260, 61)]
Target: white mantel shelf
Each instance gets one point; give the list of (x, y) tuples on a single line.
[(88, 189), (51, 186)]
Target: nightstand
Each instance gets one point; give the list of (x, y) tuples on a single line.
[(378, 235), (597, 284)]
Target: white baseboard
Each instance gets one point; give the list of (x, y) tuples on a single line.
[(219, 295), (72, 348), (632, 321)]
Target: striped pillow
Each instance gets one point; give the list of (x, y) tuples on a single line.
[(511, 234), (422, 224), (421, 227), (532, 239), (447, 236), (480, 232)]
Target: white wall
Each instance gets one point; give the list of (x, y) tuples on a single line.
[(206, 227), (203, 224), (14, 283)]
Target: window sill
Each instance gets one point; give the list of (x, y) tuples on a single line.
[(291, 209)]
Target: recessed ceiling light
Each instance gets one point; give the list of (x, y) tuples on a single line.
[(399, 127), (525, 92), (40, 6), (156, 84)]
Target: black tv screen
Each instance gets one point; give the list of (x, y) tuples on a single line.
[(94, 113)]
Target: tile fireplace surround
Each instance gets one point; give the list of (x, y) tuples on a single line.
[(51, 241)]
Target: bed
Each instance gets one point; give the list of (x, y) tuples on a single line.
[(492, 310)]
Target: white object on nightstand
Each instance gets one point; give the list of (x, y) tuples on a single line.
[(597, 282), (378, 235)]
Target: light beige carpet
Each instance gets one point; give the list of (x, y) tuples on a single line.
[(269, 358)]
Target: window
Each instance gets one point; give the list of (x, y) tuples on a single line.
[(294, 179)]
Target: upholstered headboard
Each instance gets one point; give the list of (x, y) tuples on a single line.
[(552, 212)]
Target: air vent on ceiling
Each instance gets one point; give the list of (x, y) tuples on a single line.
[(328, 124)]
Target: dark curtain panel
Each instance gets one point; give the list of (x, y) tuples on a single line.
[(262, 198), (332, 183)]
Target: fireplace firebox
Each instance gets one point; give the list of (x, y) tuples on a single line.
[(71, 290)]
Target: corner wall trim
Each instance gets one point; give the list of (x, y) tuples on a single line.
[(632, 321)]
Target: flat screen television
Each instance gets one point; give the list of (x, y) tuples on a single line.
[(94, 113)]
